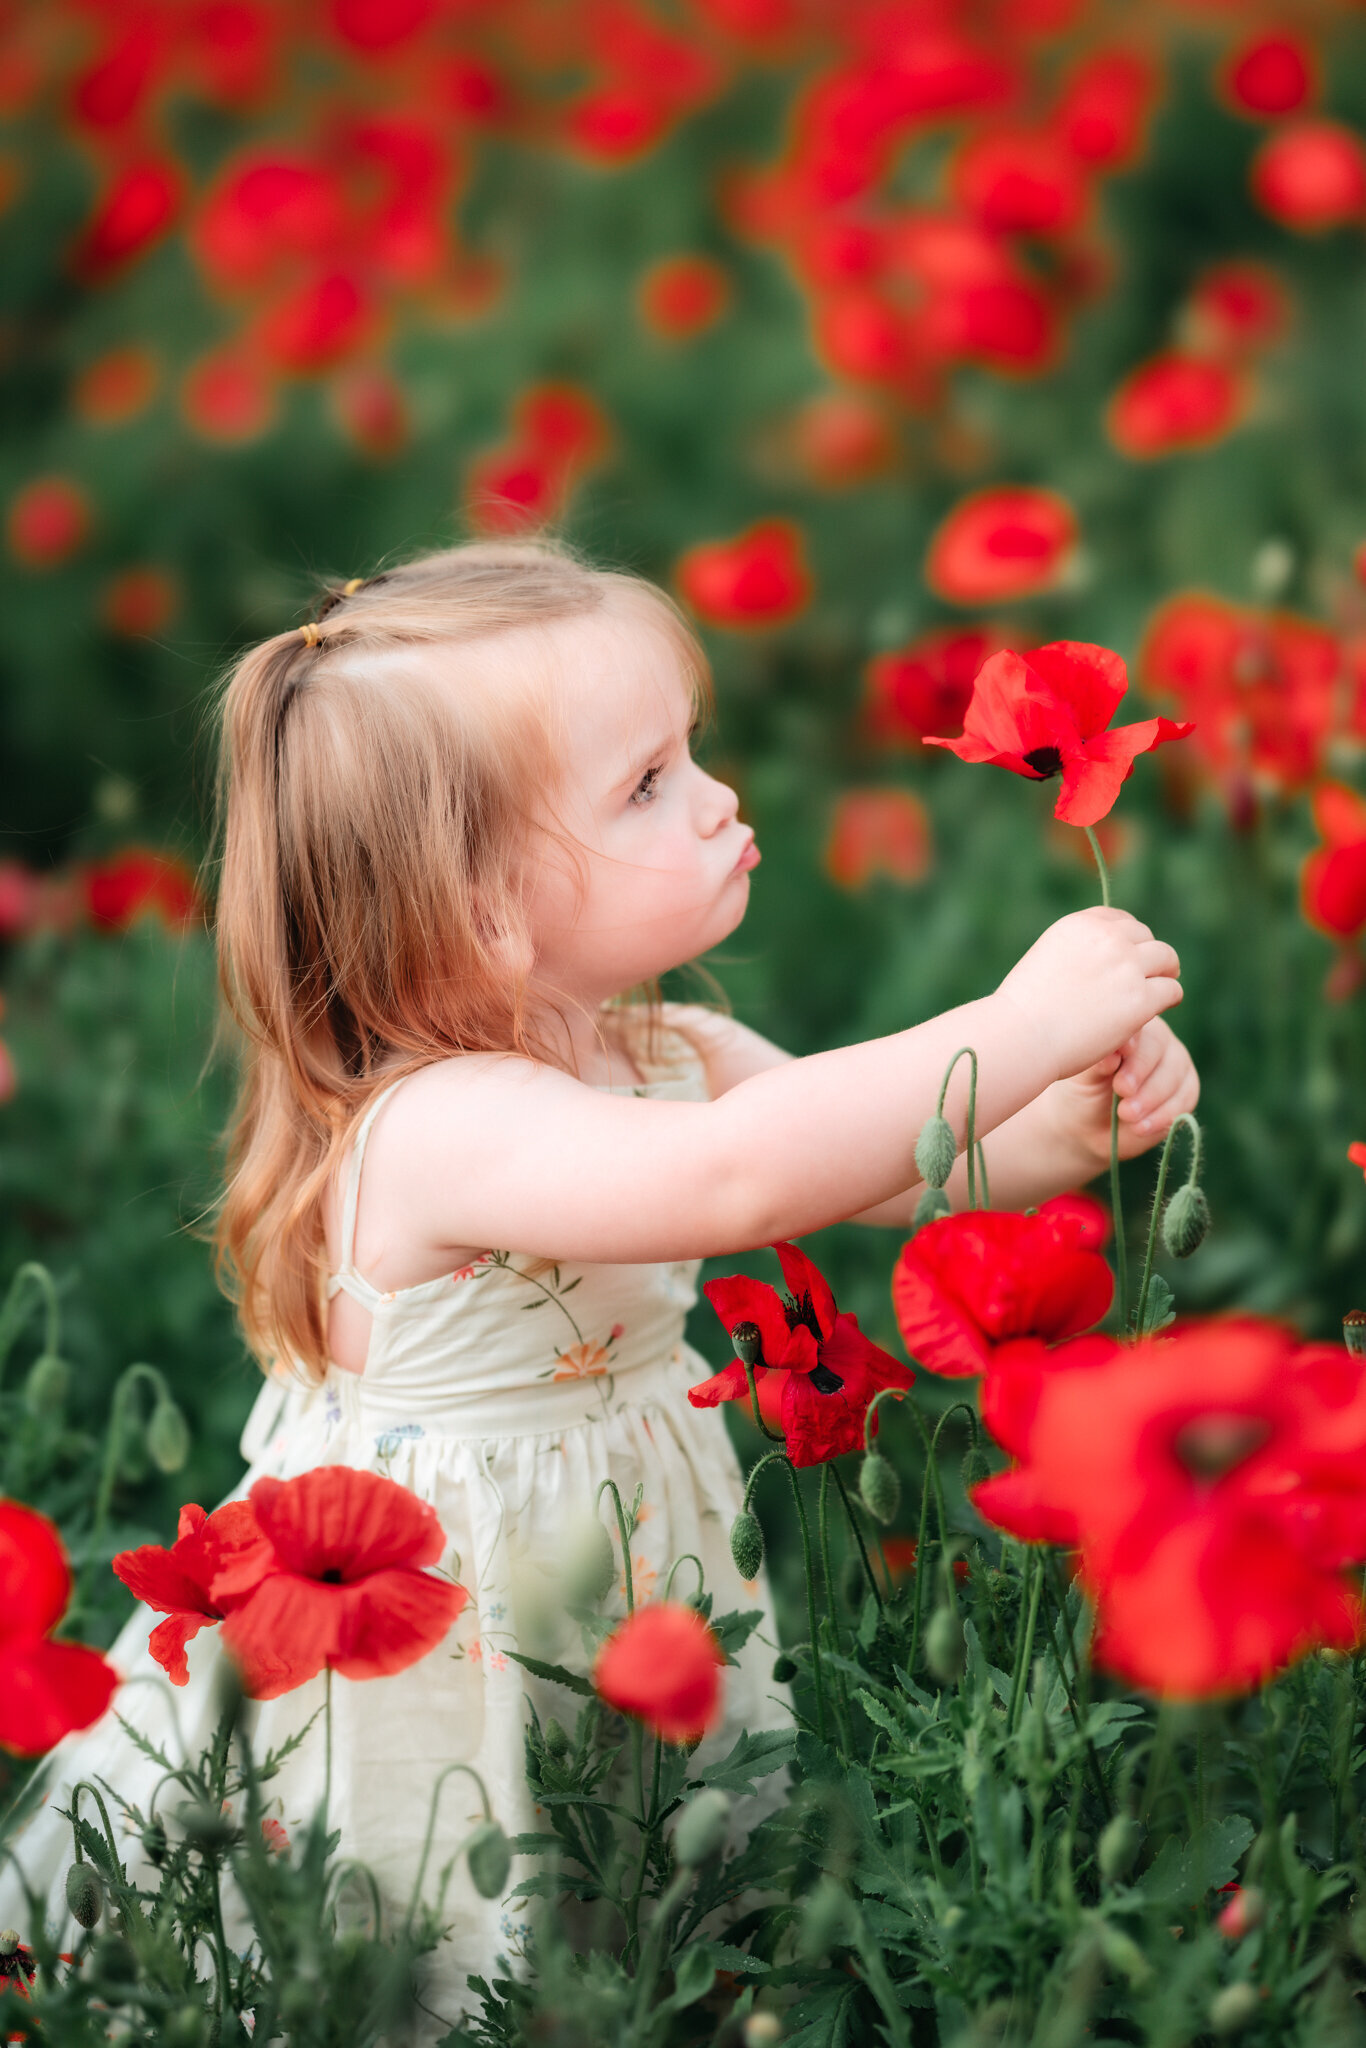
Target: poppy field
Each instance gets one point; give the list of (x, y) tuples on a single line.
[(983, 376)]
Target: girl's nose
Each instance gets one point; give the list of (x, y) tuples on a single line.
[(720, 804)]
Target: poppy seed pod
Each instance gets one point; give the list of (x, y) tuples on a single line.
[(556, 1740), (154, 1842), (933, 1204), (702, 1825), (489, 1855), (45, 1388), (1233, 2009), (879, 1488), (747, 1544), (168, 1437), (589, 1563), (1185, 1221), (935, 1151), (1118, 1846), (1354, 1331), (784, 1670), (747, 1344), (946, 1646), (84, 1893)]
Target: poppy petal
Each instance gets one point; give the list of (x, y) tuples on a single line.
[(283, 1634), (339, 1518), (167, 1644), (1089, 680), (1093, 778), (48, 1690), (393, 1619), (35, 1578), (738, 1299), (804, 1278)]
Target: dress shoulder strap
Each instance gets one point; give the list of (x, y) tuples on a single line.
[(346, 1280)]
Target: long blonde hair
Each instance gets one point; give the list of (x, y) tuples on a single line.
[(370, 917)]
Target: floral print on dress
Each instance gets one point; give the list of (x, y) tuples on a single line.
[(474, 1271), (582, 1362)]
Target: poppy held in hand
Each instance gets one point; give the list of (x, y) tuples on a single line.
[(1214, 1483), (47, 1689), (1046, 713), (663, 1666), (178, 1582), (967, 1283), (343, 1586), (816, 1372)]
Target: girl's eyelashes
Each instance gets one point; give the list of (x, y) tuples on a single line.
[(644, 793)]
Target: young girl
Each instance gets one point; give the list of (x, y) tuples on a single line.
[(476, 1162)]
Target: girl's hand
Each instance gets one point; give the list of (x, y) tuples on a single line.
[(1155, 1079)]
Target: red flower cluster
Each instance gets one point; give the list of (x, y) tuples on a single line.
[(925, 687), (1046, 713), (816, 1373), (663, 1666), (1213, 1484), (322, 1571), (559, 433), (111, 893), (878, 832), (758, 580), (47, 1689), (1333, 879), (968, 1283), (1012, 540)]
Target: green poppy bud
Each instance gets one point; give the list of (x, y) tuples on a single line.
[(747, 1343), (1233, 2009), (84, 1893), (184, 2028), (168, 1436), (935, 1151), (879, 1488), (45, 1388), (1354, 1331), (1185, 1221), (946, 1646), (702, 1825), (154, 1843), (112, 1961), (784, 1670), (489, 1855), (827, 1911), (556, 1741), (590, 1565), (747, 1544), (933, 1204), (1119, 1844), (1122, 1952)]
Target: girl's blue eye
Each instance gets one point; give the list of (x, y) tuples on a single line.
[(644, 793)]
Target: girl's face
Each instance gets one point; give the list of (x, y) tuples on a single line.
[(665, 860)]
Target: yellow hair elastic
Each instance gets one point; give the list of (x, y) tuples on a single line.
[(350, 589), (311, 634)]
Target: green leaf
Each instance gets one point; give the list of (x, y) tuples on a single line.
[(693, 1979), (1182, 1873), (753, 1756), (1160, 1307), (556, 1673)]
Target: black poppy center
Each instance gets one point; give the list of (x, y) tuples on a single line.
[(825, 1381), (1045, 761), (332, 1576), (1213, 1445), (802, 1314)]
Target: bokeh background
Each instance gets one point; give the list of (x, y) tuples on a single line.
[(884, 332)]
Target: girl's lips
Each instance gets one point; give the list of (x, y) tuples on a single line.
[(750, 858)]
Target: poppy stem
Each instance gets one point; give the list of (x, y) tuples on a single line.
[(774, 1436), (14, 1310), (327, 1747), (442, 1776), (965, 1052), (610, 1486), (1117, 1216), (858, 1535), (817, 1678), (1024, 1648), (1101, 869), (1189, 1121)]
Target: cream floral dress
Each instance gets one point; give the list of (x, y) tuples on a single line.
[(505, 1402)]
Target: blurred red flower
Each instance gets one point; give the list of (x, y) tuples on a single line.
[(841, 439), (138, 602), (138, 882), (47, 521), (559, 432), (1311, 176), (343, 1587), (137, 210), (1333, 878), (1173, 402), (21, 896), (47, 1689), (926, 686), (1003, 542), (1104, 107), (1047, 713), (1273, 74), (1214, 1483), (1357, 1155), (1020, 182), (317, 323), (878, 832), (681, 296), (967, 1283), (817, 1372), (663, 1666), (1236, 308), (178, 1581), (369, 405), (757, 580), (227, 396), (901, 1554), (116, 386)]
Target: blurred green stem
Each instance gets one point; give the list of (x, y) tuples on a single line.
[(15, 1309)]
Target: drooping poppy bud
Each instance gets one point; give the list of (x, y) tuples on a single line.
[(933, 1204), (168, 1436), (702, 1826), (589, 1563), (1354, 1331), (879, 1488), (84, 1893), (45, 1387), (935, 1151), (747, 1544), (489, 1856), (1119, 1844), (1185, 1221), (946, 1646), (784, 1670), (556, 1740)]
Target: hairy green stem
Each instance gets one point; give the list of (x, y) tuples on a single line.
[(1193, 1128)]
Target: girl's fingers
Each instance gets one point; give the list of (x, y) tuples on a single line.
[(1158, 959), (1172, 1090)]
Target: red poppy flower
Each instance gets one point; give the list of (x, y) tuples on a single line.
[(559, 433), (116, 387), (1271, 75), (138, 602), (925, 687), (1003, 542), (1020, 182), (1333, 878), (967, 1283), (1214, 1484), (1311, 176), (757, 580), (1104, 107), (841, 439), (179, 1581), (816, 1372), (227, 396), (663, 1667), (1173, 402), (47, 521), (137, 882), (370, 406), (878, 832), (1357, 1155), (682, 296), (901, 1554), (1046, 713), (47, 1689), (1236, 308), (134, 213), (345, 1587)]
